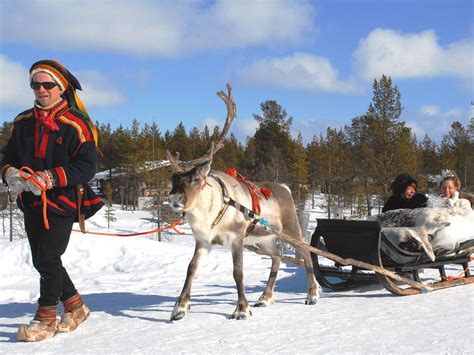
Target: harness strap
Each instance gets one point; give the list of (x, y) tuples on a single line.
[(228, 201), (224, 204), (253, 189), (80, 213), (243, 209)]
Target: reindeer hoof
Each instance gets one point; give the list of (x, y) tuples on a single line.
[(240, 314), (179, 311), (311, 300), (178, 315), (263, 302)]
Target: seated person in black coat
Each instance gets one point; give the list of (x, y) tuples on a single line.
[(404, 194)]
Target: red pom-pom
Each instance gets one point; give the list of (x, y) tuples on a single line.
[(231, 172), (266, 192)]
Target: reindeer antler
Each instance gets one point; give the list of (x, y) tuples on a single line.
[(174, 161), (231, 113), (215, 145)]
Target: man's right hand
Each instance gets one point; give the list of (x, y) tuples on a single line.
[(15, 181)]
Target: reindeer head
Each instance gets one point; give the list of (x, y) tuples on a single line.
[(189, 178)]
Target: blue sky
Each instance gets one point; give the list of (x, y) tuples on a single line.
[(165, 60)]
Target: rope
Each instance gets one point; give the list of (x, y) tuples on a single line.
[(29, 175), (171, 226), (44, 199), (451, 278)]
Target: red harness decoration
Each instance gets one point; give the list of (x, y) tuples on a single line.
[(254, 190)]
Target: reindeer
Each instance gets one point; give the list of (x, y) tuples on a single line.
[(207, 200)]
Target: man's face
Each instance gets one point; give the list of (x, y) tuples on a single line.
[(45, 96)]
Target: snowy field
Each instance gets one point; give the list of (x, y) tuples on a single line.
[(131, 284)]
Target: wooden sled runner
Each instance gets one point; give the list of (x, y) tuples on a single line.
[(364, 241)]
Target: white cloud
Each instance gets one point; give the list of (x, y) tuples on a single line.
[(434, 122), (241, 127), (389, 52), (167, 28), (98, 91), (300, 71), (247, 126), (14, 90), (383, 51), (457, 60), (311, 127), (211, 122), (418, 129), (429, 110), (15, 93)]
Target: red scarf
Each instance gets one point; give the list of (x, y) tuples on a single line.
[(47, 115)]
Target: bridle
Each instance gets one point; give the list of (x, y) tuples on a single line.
[(229, 201)]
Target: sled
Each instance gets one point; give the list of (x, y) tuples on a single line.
[(364, 241)]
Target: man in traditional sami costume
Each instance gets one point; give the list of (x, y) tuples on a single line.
[(51, 152)]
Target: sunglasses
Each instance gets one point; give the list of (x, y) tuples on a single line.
[(48, 85)]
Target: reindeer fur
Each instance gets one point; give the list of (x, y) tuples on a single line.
[(435, 230), (199, 196)]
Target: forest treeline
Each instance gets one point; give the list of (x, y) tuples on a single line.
[(350, 165)]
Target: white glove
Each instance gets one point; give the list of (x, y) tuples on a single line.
[(455, 196), (15, 181), (46, 180)]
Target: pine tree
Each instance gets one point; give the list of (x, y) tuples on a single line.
[(385, 146), (462, 149), (298, 171), (109, 209), (361, 206), (385, 131), (248, 162), (272, 143), (230, 156), (469, 184), (178, 142), (5, 133), (429, 160), (151, 142), (317, 163), (445, 154), (196, 143)]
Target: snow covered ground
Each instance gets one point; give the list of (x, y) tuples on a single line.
[(131, 285)]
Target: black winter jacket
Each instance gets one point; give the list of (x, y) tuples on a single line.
[(69, 153), (396, 201)]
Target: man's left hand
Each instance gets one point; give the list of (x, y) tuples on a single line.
[(42, 179)]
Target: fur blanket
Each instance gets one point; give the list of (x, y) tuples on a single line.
[(437, 231)]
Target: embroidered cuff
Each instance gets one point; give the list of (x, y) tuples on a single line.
[(51, 179), (59, 177)]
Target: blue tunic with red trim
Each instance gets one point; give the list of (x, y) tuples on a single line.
[(69, 153)]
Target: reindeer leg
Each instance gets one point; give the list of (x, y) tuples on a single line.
[(271, 249), (313, 287), (266, 299), (242, 311), (183, 303)]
